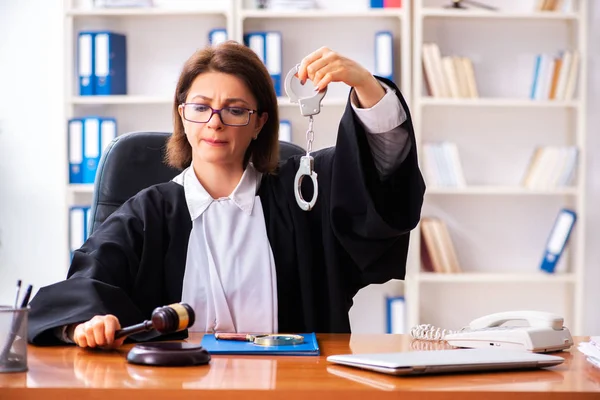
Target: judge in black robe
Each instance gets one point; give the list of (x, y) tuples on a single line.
[(357, 234)]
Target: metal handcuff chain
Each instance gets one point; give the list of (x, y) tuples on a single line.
[(309, 107)]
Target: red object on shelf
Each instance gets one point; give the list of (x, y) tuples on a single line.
[(392, 3)]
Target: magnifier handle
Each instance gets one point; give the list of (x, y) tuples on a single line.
[(241, 337)]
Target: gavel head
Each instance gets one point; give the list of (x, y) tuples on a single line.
[(173, 318)]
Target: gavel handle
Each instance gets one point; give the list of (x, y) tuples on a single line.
[(130, 330)]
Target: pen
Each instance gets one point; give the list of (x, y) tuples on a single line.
[(18, 291), (26, 297)]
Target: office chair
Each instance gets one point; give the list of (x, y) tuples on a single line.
[(135, 161)]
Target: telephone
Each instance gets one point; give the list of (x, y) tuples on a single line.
[(544, 332)]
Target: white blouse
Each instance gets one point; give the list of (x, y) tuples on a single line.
[(230, 278)]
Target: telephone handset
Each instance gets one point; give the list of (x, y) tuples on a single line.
[(544, 332), (533, 318)]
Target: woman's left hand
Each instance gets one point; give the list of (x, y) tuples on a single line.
[(325, 66)]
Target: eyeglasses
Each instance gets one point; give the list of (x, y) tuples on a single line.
[(231, 116)]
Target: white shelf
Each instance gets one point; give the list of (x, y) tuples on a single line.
[(527, 123), (133, 99), (500, 190), (482, 277), (495, 102), (120, 99), (276, 14), (77, 188), (447, 13), (142, 12)]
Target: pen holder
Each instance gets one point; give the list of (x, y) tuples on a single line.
[(13, 339)]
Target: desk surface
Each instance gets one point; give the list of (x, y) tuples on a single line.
[(69, 372)]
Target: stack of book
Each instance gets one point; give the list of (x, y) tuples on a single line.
[(555, 77), (554, 5), (442, 166), (437, 251), (551, 167), (448, 76)]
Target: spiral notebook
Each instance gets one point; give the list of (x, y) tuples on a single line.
[(310, 347)]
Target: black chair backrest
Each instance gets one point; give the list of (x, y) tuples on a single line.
[(135, 161)]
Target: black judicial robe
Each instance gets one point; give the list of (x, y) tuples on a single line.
[(357, 234)]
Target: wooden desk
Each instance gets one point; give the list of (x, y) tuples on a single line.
[(73, 373)]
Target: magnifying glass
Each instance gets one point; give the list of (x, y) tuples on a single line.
[(262, 339)]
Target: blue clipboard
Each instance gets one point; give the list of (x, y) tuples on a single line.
[(310, 347)]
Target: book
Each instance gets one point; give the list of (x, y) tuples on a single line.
[(437, 249), (310, 347)]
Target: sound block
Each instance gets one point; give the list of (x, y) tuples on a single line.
[(169, 354)]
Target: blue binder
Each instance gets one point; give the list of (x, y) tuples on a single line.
[(98, 132), (75, 150), (91, 148), (217, 36), (384, 54), (310, 347), (110, 66), (108, 132), (268, 47), (376, 3), (285, 130), (558, 239), (78, 227), (395, 315), (85, 63)]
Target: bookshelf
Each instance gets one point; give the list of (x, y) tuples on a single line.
[(161, 38), (499, 227)]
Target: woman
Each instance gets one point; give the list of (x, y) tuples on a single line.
[(226, 236)]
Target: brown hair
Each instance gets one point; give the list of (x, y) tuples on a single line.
[(238, 60)]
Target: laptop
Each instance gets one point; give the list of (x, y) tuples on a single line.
[(446, 361)]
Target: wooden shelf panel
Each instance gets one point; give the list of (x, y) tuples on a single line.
[(143, 12), (485, 14), (77, 188), (276, 14), (482, 277), (135, 99), (120, 99), (494, 102)]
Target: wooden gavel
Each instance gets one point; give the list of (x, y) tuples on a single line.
[(168, 319)]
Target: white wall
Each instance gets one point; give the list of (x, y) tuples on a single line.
[(32, 172), (32, 190)]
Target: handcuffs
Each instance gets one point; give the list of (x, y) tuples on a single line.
[(309, 106), (262, 340)]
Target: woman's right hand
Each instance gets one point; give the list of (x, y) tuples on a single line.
[(97, 332)]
